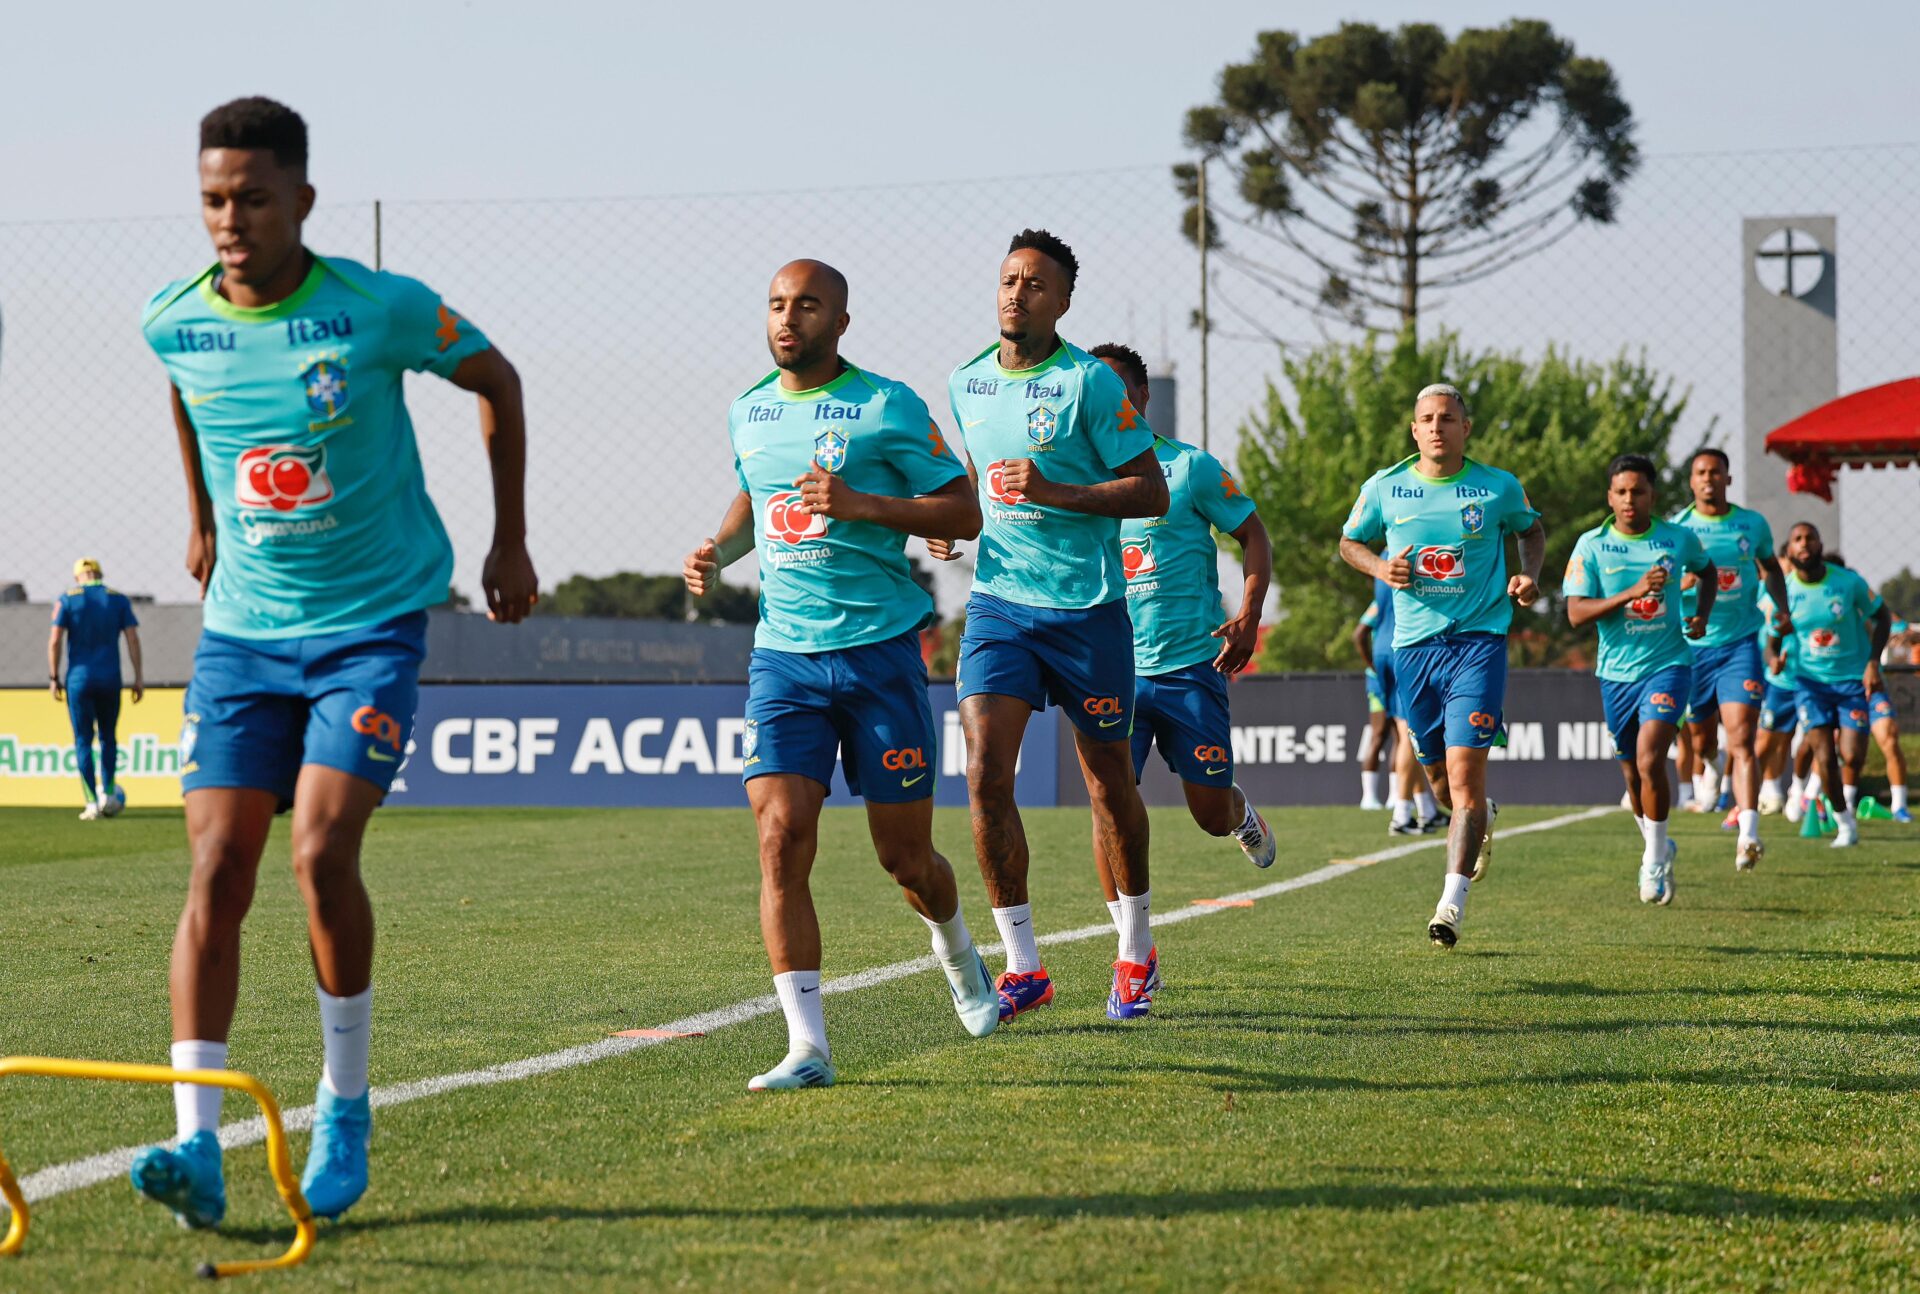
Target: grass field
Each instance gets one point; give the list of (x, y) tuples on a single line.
[(1586, 1094)]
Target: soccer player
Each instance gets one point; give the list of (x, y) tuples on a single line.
[(1367, 640), (1729, 683), (1886, 725), (1408, 791), (1625, 576), (1779, 712), (1059, 456), (1839, 627), (837, 466), (1444, 517), (1185, 647), (318, 551), (91, 618)]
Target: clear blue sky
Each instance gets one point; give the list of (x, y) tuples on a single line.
[(485, 99)]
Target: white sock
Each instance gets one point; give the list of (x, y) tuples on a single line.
[(952, 941), (1113, 910), (1898, 796), (1749, 824), (1248, 822), (1852, 794), (1424, 801), (1683, 793), (1799, 786), (1371, 783), (196, 1107), (345, 1023), (1402, 812), (799, 994), (1016, 932), (1847, 819), (1136, 938), (1813, 787), (1455, 890), (1641, 823), (1656, 842)]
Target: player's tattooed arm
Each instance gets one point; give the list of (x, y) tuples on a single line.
[(948, 513), (727, 545), (1524, 587), (945, 550), (1397, 571), (1240, 635), (1139, 489), (201, 548), (1776, 582), (1882, 630), (508, 579), (1708, 585)]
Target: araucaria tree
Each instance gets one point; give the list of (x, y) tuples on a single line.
[(1373, 167)]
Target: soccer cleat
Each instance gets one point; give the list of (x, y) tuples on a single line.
[(1771, 801), (336, 1173), (1666, 873), (91, 813), (1022, 991), (1153, 970), (1371, 804), (1732, 821), (1902, 815), (187, 1180), (1132, 995), (1748, 853), (1438, 820), (1649, 882), (112, 802), (1725, 803), (974, 998), (1444, 929), (1796, 807), (1403, 827), (804, 1067), (1258, 843), (1485, 859), (1846, 835)]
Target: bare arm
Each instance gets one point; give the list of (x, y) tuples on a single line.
[(1584, 611), (1139, 489), (133, 654), (1709, 589), (942, 550), (727, 545), (54, 640), (1363, 643), (1524, 588), (950, 512), (1398, 572), (201, 545), (1776, 582), (1242, 633), (1882, 627), (507, 579)]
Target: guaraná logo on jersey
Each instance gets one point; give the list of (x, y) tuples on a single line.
[(1136, 558), (1040, 424), (325, 382), (830, 450), (1444, 563), (1823, 641), (1472, 517), (1647, 608), (997, 484), (282, 477), (789, 521), (1729, 578)]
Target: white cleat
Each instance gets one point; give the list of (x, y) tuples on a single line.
[(1748, 853), (1649, 882), (1371, 804), (975, 1000), (1771, 802), (804, 1067), (91, 813), (1485, 859), (1444, 929), (1666, 873), (1849, 835), (1796, 807), (1258, 843)]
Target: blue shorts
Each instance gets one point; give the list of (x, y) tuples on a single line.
[(1880, 707), (1185, 712), (1389, 694), (1730, 674), (1078, 659), (1376, 699), (93, 705), (1657, 698), (1780, 708), (867, 705), (1452, 689), (260, 708), (1822, 705)]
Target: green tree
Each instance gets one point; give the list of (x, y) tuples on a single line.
[(1555, 423), (1902, 594), (1399, 163), (631, 595)]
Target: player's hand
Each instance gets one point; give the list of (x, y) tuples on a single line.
[(1523, 590), (701, 569), (53, 686), (509, 583), (826, 495), (1399, 572), (1689, 580), (1023, 476), (1782, 624), (1695, 626), (1775, 664), (943, 550), (139, 690), (1240, 635), (1652, 582), (1870, 678), (200, 557)]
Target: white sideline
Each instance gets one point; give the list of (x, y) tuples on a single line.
[(91, 1171)]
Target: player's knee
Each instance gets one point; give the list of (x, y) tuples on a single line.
[(221, 889), (989, 775), (909, 867), (783, 838), (326, 856)]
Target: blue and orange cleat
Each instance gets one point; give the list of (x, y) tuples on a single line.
[(1132, 995), (336, 1173), (187, 1180), (1022, 991)]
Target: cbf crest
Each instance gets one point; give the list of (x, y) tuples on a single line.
[(830, 449), (1040, 424), (750, 739), (1472, 517), (325, 383)]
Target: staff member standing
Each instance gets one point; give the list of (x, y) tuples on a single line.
[(91, 617)]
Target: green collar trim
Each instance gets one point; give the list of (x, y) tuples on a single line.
[(821, 392), (1050, 361), (264, 314), (1653, 524), (1693, 510), (1465, 464), (1826, 573)]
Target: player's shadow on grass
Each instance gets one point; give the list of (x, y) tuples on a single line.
[(1239, 1078), (1574, 988), (1808, 954)]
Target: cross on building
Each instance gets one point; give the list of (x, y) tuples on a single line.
[(1807, 250)]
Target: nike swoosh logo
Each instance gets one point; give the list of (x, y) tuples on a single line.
[(1215, 772), (373, 752), (810, 990), (749, 453), (195, 401), (1108, 723), (973, 422), (1401, 521), (1612, 570), (1021, 922), (911, 780), (348, 1029)]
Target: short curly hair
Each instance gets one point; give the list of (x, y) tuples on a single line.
[(1049, 246), (1125, 356), (257, 122)]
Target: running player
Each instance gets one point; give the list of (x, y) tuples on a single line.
[(1058, 455), (1379, 741), (1411, 807), (1728, 680), (837, 466), (1886, 727), (1779, 712), (91, 618), (1185, 648), (1444, 517), (1840, 627), (1624, 575), (318, 552)]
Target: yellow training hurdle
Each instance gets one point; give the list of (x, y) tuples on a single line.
[(279, 1161)]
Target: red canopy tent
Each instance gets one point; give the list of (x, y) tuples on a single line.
[(1877, 427)]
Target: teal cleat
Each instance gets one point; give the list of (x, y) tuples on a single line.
[(975, 998), (801, 1068), (336, 1173), (187, 1180)]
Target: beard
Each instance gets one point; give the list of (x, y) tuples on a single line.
[(804, 355), (1008, 334)]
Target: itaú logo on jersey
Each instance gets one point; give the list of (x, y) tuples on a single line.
[(997, 484), (789, 521), (1136, 558), (1443, 562), (282, 477)]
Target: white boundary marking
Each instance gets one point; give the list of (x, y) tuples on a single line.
[(91, 1171)]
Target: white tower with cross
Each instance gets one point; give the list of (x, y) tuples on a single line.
[(1791, 356)]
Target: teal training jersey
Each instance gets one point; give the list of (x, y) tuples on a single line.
[(1071, 416), (1646, 635), (1832, 621), (1735, 542), (1456, 526), (1789, 650), (828, 583), (321, 504), (1173, 581)]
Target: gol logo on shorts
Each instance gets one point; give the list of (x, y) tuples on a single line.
[(1664, 700), (1098, 705), (1481, 719), (377, 725), (1753, 686), (906, 757), (1210, 754)]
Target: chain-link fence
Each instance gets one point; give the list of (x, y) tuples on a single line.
[(635, 321)]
